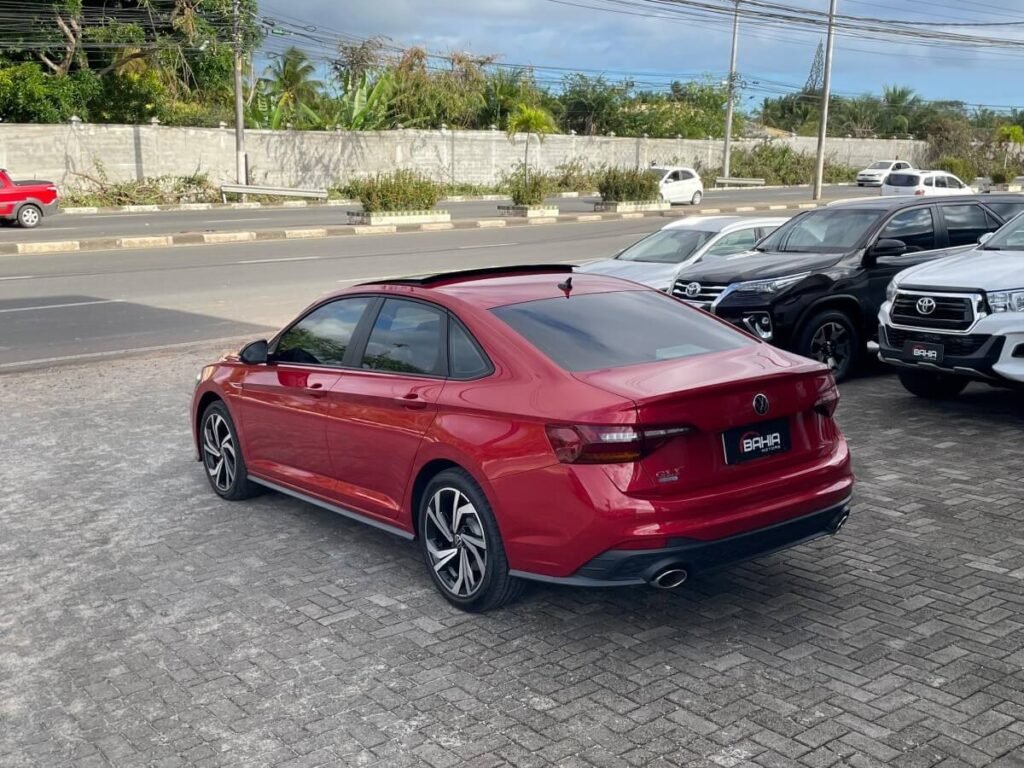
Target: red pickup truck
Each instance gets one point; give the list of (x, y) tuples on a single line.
[(26, 202)]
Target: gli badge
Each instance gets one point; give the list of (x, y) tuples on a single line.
[(925, 305), (693, 290)]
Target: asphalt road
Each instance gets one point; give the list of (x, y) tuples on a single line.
[(66, 307), (68, 227)]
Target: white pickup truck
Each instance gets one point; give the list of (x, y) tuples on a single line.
[(960, 319)]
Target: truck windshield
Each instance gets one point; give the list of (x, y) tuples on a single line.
[(828, 230), (1009, 238)]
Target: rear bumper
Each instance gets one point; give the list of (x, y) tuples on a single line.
[(558, 520), (621, 567)]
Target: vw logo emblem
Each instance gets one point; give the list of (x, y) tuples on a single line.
[(926, 305), (693, 289), (761, 404)]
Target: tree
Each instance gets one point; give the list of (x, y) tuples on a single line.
[(592, 105), (1008, 137), (531, 121), (503, 90), (291, 84), (859, 117)]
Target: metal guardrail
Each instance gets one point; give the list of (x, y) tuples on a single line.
[(723, 181), (246, 189)]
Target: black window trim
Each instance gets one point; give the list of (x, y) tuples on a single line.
[(453, 320), (371, 309), (938, 226), (361, 338)]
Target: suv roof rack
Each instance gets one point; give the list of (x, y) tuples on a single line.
[(473, 274)]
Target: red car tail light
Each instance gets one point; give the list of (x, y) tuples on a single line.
[(828, 399), (918, 192), (618, 444)]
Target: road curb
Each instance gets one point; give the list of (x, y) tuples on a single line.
[(316, 233), (178, 207), (88, 210)]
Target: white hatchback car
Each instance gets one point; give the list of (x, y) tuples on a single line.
[(925, 183), (679, 184), (874, 175)]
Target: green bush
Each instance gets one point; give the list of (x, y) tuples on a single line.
[(618, 185), (779, 165), (575, 176), (960, 167), (998, 176), (525, 187), (402, 190)]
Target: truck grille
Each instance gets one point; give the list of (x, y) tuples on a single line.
[(955, 346), (921, 310), (705, 295)]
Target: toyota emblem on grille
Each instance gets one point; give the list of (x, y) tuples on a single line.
[(761, 404), (693, 289), (926, 305)]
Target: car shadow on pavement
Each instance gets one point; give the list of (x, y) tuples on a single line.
[(68, 325)]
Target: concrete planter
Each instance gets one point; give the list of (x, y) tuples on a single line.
[(1004, 187), (632, 207), (399, 217), (528, 211)]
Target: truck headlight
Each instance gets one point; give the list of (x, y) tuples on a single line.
[(771, 285), (1007, 301), (890, 290)]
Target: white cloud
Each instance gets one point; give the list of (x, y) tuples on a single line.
[(545, 33)]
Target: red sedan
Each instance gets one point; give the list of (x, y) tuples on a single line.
[(531, 423)]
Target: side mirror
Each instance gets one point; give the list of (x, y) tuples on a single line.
[(888, 247), (255, 353), (985, 238)]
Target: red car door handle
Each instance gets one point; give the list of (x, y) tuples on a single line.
[(316, 389), (412, 401)]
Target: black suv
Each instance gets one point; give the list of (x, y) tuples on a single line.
[(815, 285)]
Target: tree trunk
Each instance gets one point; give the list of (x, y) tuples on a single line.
[(526, 160)]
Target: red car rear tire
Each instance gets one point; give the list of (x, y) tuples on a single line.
[(29, 216), (462, 546)]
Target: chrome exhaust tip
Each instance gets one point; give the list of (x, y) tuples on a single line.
[(670, 578), (840, 522)]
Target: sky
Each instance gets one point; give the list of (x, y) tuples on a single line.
[(653, 44)]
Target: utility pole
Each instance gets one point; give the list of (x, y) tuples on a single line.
[(826, 92), (727, 152), (240, 173)]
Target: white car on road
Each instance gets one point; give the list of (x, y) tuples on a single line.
[(679, 184), (656, 259), (925, 183), (874, 175), (945, 323)]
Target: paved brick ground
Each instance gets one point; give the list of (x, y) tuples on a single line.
[(145, 622)]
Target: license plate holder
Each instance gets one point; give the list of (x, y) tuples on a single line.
[(756, 441), (923, 352)]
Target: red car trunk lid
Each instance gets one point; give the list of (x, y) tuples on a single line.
[(733, 438)]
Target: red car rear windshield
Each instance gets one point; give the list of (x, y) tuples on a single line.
[(590, 332)]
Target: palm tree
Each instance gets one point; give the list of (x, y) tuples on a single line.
[(290, 79), (531, 121), (504, 87), (899, 105)]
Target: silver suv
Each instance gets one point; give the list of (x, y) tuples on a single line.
[(948, 322)]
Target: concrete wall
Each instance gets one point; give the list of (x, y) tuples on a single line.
[(318, 159)]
